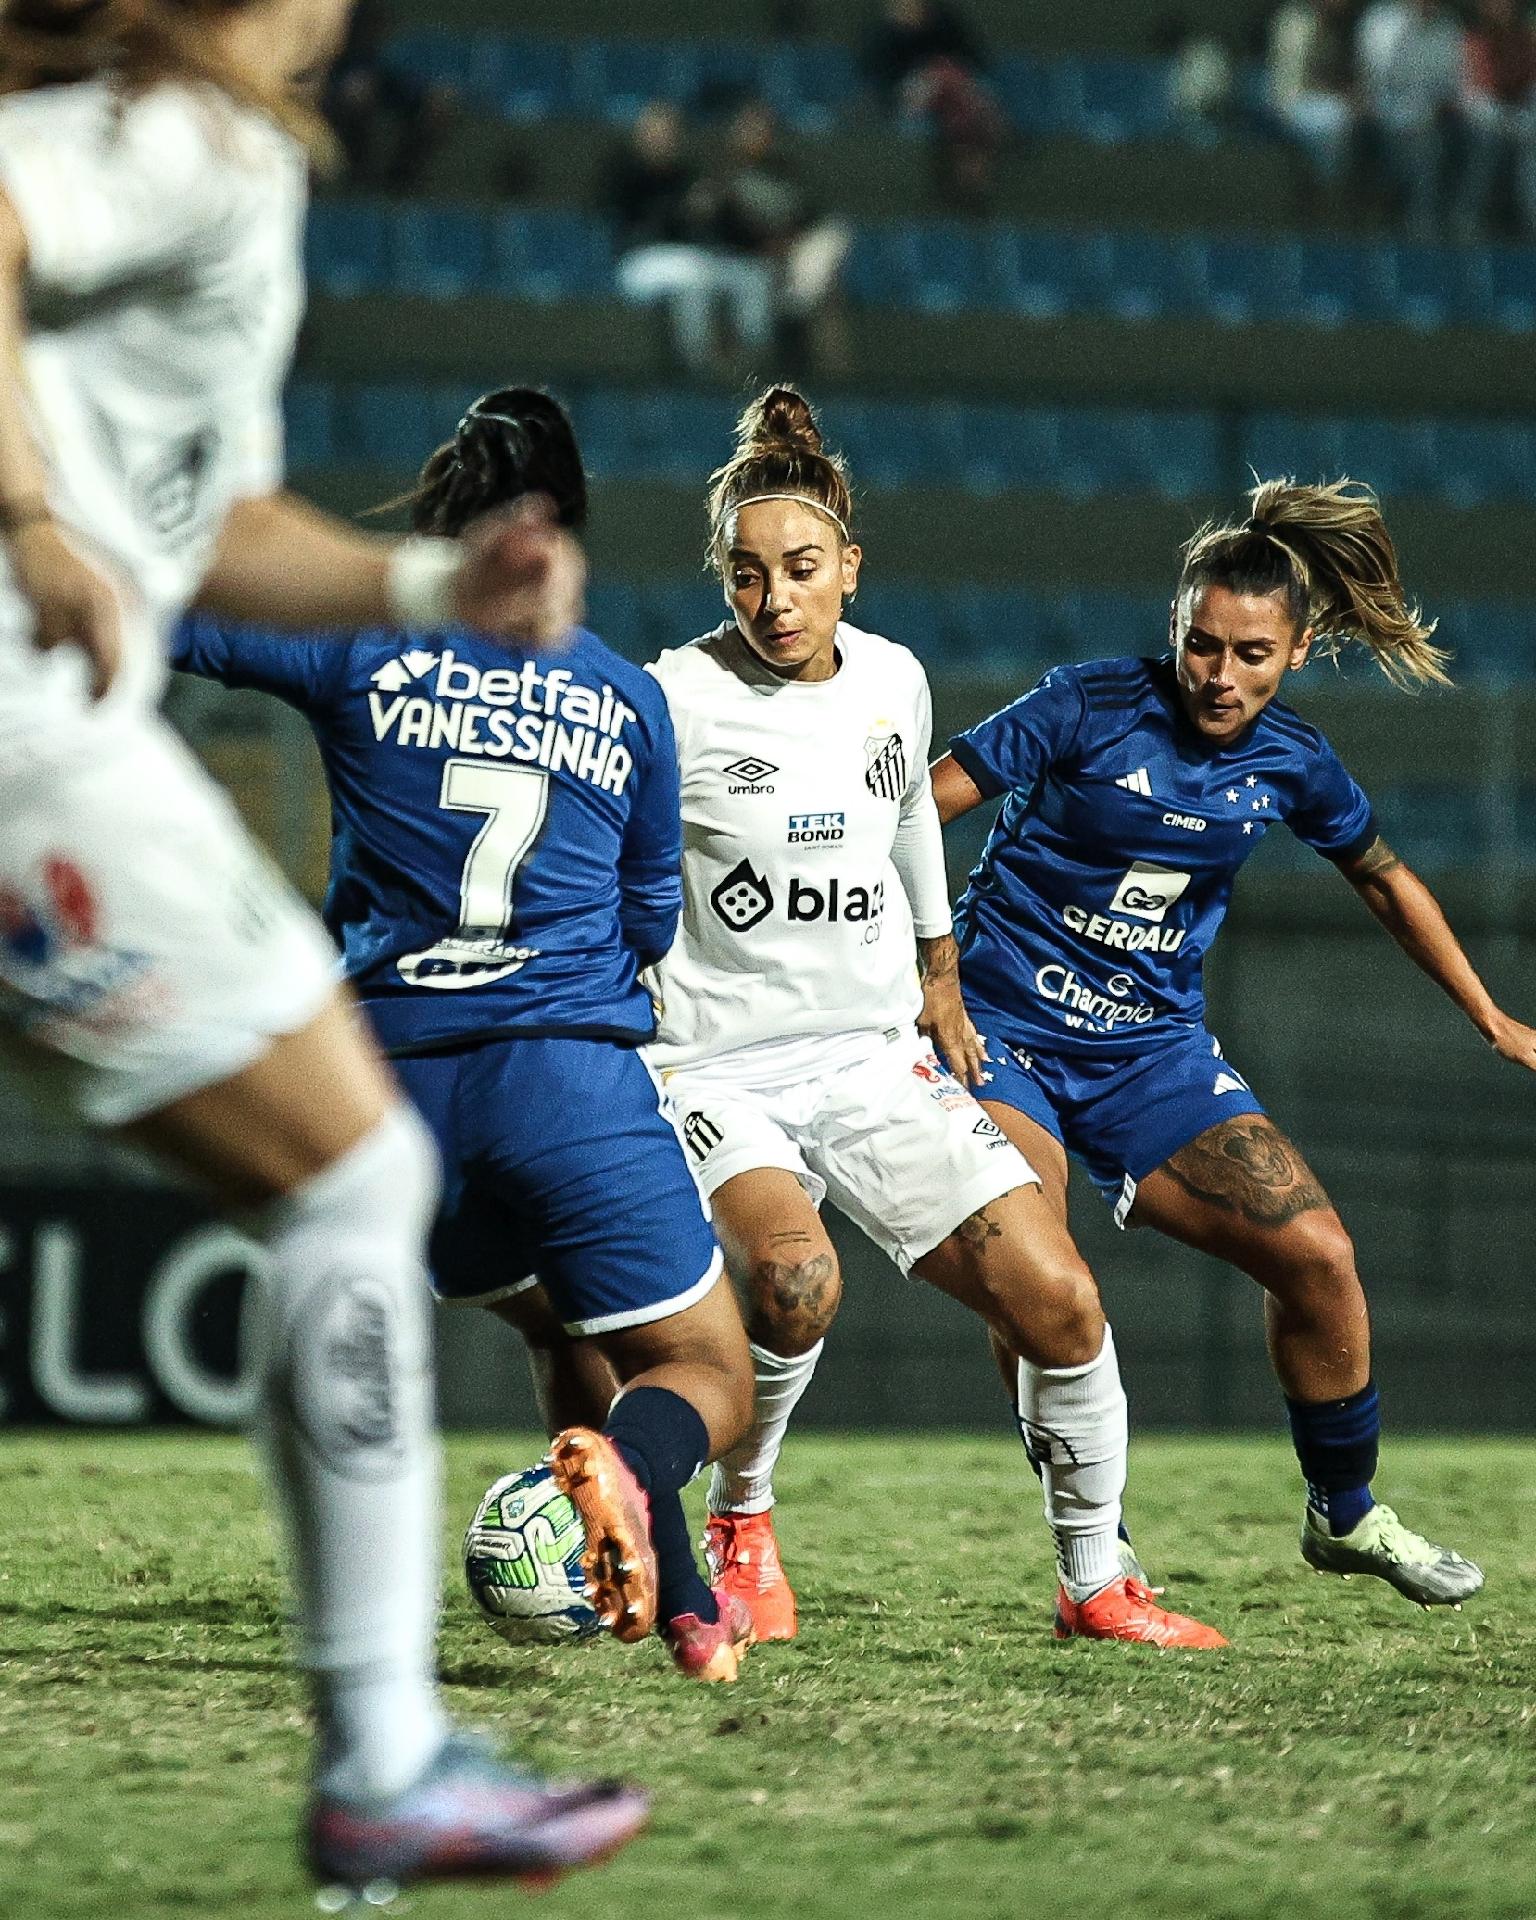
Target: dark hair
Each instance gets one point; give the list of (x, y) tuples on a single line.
[(1327, 549), (139, 43), (515, 441), (778, 450)]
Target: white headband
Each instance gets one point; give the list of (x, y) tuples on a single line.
[(803, 499)]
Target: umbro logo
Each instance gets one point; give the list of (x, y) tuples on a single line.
[(751, 774), (395, 674), (1136, 782)]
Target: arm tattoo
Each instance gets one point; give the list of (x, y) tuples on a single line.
[(1377, 860), (1249, 1168), (939, 956)]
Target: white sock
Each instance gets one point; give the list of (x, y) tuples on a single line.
[(347, 1427), (742, 1481), (1075, 1427)]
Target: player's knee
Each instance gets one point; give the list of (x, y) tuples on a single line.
[(1052, 1315), (1319, 1256), (793, 1303)]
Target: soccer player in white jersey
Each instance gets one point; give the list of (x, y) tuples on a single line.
[(154, 972), (788, 1031)]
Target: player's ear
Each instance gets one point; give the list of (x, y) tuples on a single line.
[(852, 558), (1301, 650)]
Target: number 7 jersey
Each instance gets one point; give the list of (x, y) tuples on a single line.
[(505, 841)]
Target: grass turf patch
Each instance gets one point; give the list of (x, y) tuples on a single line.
[(924, 1749)]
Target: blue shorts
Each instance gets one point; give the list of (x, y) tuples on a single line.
[(1120, 1114), (561, 1164)]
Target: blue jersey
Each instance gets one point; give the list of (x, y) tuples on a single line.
[(506, 847), (1109, 868)]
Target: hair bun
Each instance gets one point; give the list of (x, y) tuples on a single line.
[(779, 417)]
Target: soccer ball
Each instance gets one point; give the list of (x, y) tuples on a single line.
[(522, 1559)]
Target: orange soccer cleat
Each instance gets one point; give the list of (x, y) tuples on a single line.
[(1126, 1610), (711, 1650), (619, 1560), (743, 1559)]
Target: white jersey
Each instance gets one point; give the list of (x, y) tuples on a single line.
[(811, 847), (164, 287)]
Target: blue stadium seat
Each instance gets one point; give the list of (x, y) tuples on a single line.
[(808, 83), (1432, 287), (393, 426), (680, 435), (678, 611), (447, 59), (601, 419), (875, 273), (309, 422), (550, 255), (1494, 641), (1332, 282), (1000, 631), (526, 79), (1279, 443), (1245, 279), (1512, 288), (1023, 84), (1434, 827), (613, 79), (903, 611), (1111, 98), (1474, 463), (948, 264), (1142, 276), (1106, 450), (444, 252), (347, 247), (1095, 624), (615, 613), (1010, 448), (1041, 271), (1394, 457)]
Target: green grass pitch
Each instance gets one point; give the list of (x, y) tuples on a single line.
[(925, 1749)]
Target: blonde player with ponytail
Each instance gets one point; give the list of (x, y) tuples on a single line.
[(798, 1045), (1133, 791)]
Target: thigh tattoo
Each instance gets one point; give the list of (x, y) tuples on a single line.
[(1249, 1168)]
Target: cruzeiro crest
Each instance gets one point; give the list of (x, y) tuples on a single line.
[(885, 770)]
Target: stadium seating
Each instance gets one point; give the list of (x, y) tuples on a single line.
[(944, 266), (1078, 452)]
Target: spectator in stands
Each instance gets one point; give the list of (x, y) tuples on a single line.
[(1498, 105), (779, 259), (645, 192), (1312, 85), (370, 95), (1202, 80), (1410, 57), (926, 65)]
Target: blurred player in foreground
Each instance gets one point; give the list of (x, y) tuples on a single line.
[(1134, 789), (788, 1036), (504, 862), (154, 972)]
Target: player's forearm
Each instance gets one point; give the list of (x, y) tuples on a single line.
[(939, 958), (954, 791), (282, 561), (23, 477), (1413, 916)]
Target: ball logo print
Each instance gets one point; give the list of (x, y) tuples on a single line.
[(1147, 891), (743, 898)]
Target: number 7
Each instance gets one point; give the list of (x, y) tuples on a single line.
[(514, 800)]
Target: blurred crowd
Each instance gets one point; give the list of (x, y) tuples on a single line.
[(1420, 110), (1433, 106)]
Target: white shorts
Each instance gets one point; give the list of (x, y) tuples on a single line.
[(148, 947), (879, 1127)]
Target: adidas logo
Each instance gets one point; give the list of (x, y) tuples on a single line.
[(1136, 782), (1228, 1083), (395, 674)]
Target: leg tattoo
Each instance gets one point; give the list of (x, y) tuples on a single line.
[(1249, 1168), (793, 1298)]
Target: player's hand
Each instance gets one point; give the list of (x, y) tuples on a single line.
[(74, 604), (523, 576), (1513, 1041), (945, 1022)]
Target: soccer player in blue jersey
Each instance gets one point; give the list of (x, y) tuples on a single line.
[(1133, 790), (505, 861)]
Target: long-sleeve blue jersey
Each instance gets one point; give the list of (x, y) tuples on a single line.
[(1110, 866), (506, 846)]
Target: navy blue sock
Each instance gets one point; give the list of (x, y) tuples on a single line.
[(664, 1443), (1336, 1442)]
